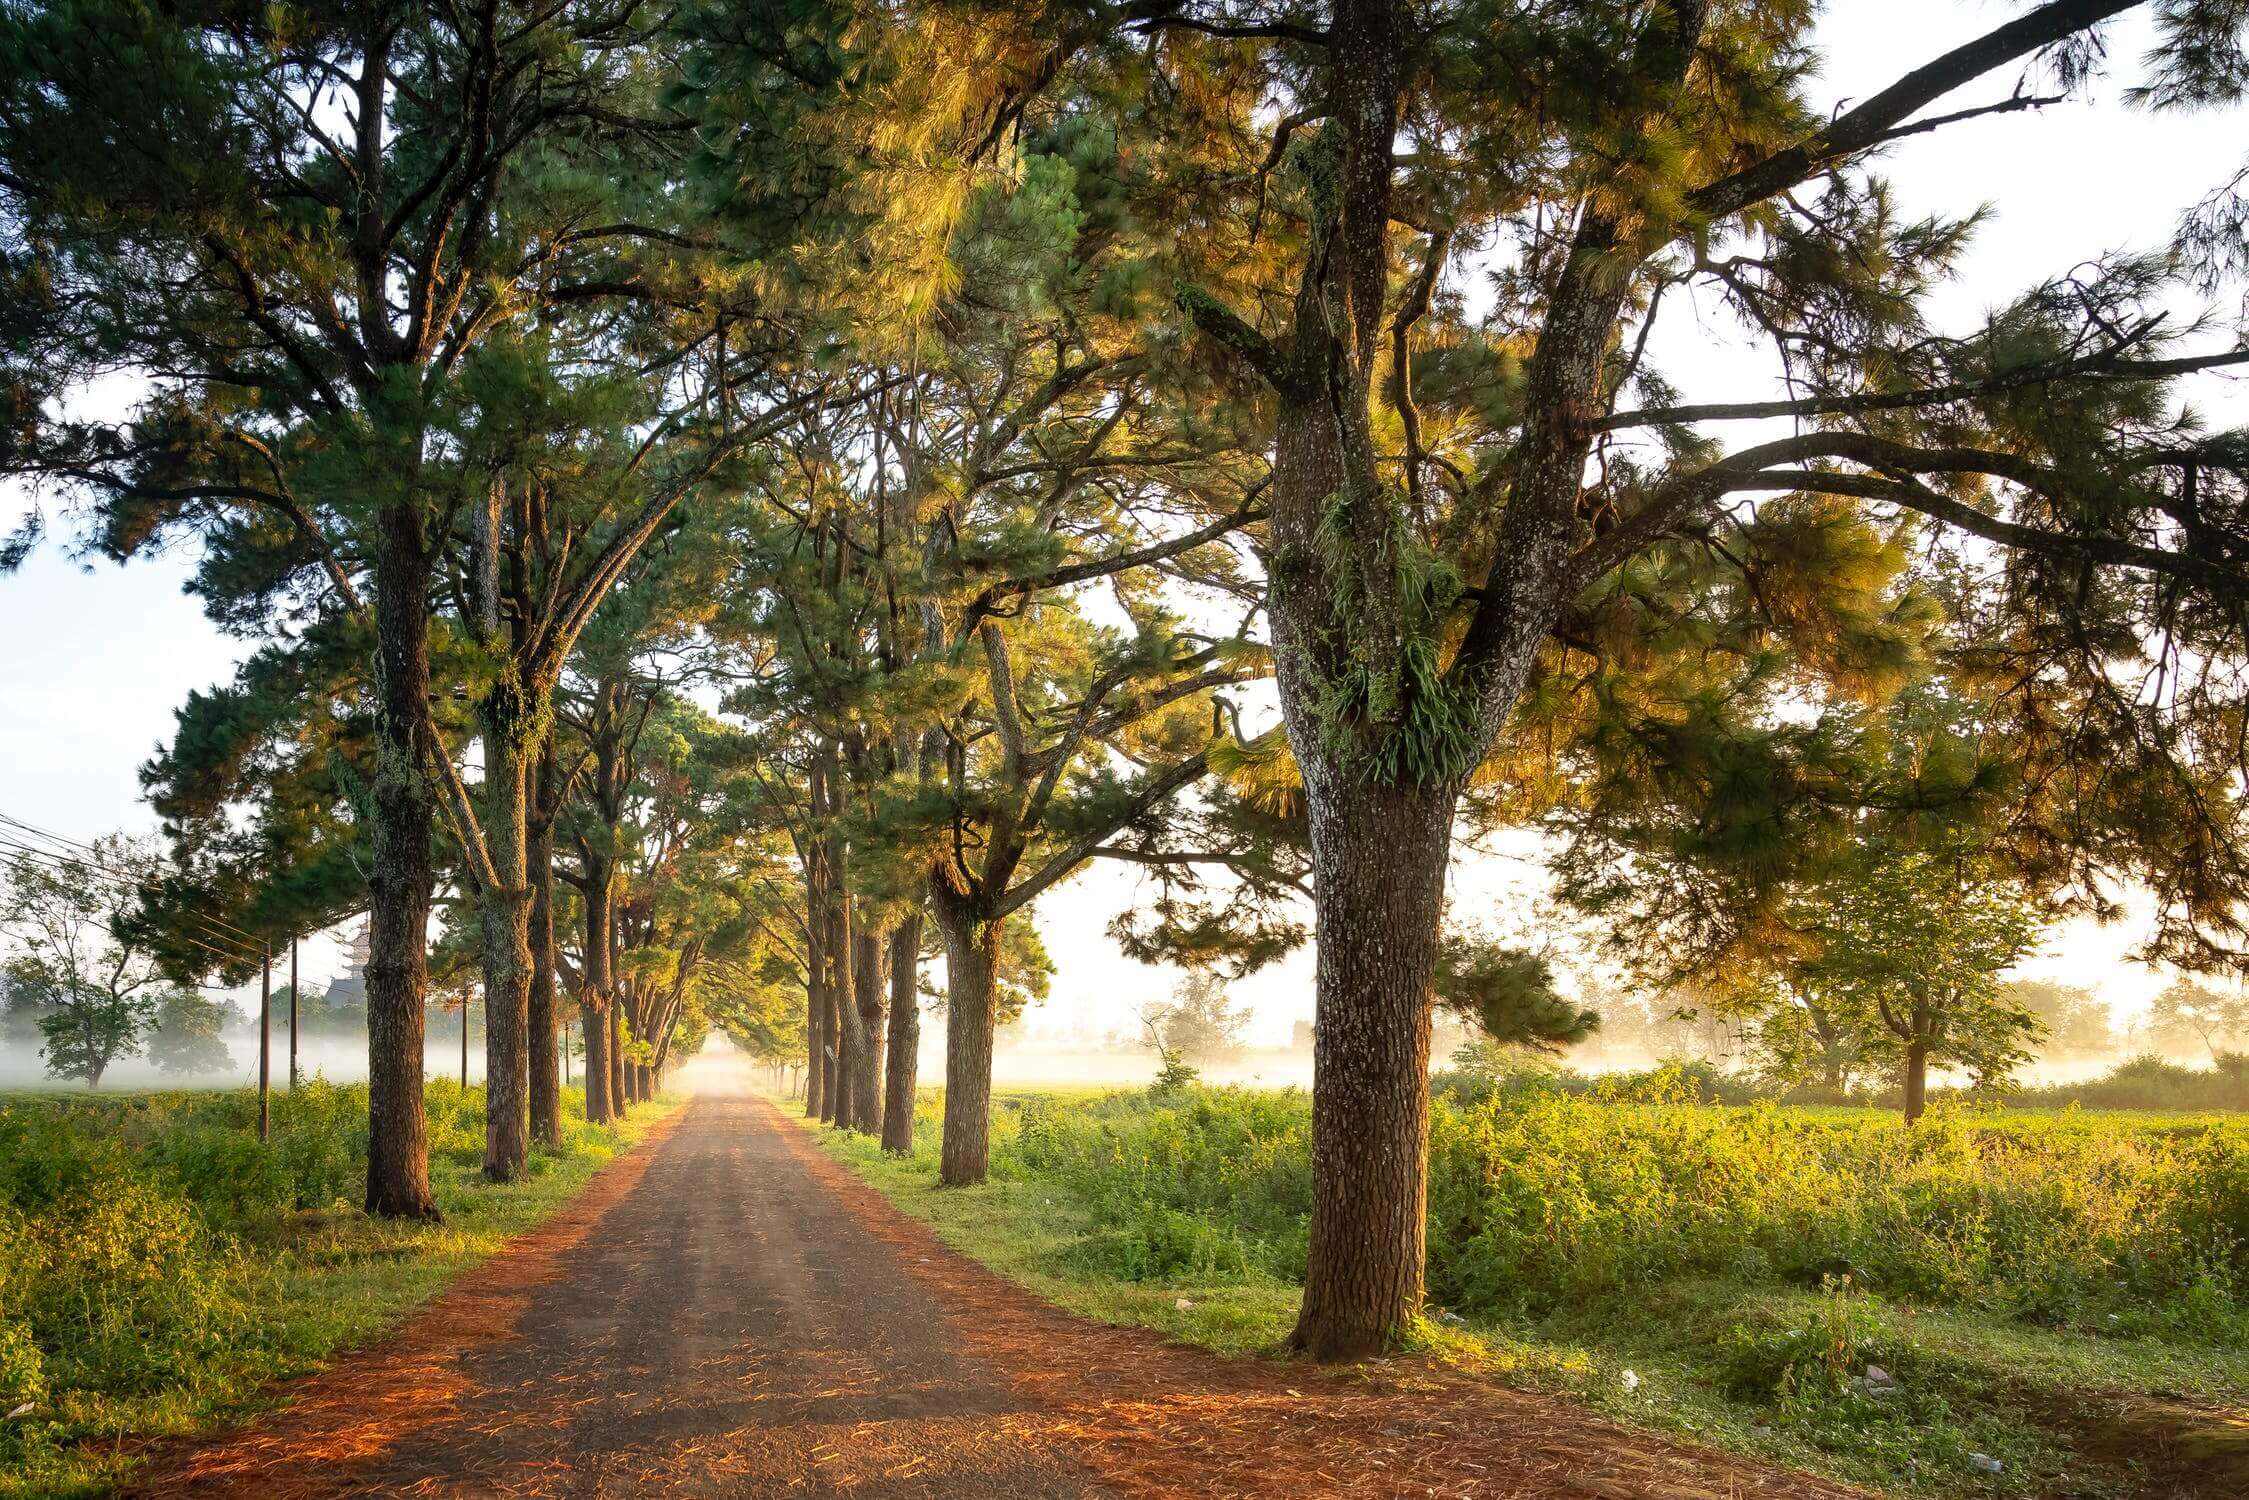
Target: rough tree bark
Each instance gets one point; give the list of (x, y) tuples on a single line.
[(838, 1110), (972, 975), (504, 918), (904, 1036), (1916, 1079), (618, 1094), (629, 1037), (1384, 855), (399, 882), (544, 1018), (869, 950), (593, 1030), (595, 984), (815, 1019)]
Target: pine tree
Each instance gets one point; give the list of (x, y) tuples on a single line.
[(321, 216), (1456, 513), (1017, 446)]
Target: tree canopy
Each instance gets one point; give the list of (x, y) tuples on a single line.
[(812, 477)]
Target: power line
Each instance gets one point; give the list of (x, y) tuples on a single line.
[(221, 988), (88, 854), (121, 883)]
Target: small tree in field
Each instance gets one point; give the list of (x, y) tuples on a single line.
[(1175, 1072), (185, 1037), (2216, 1019), (77, 956), (1912, 949), (1198, 1024)]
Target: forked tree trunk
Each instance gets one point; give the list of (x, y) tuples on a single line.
[(544, 1016), (972, 974), (1382, 857), (399, 882), (504, 916), (904, 1036)]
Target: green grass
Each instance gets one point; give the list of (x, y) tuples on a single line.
[(159, 1268), (1035, 1233), (2060, 1291)]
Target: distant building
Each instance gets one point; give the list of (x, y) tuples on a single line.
[(349, 990)]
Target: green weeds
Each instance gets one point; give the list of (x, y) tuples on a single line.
[(159, 1267), (1821, 1285)]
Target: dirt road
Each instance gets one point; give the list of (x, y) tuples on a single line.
[(727, 1312)]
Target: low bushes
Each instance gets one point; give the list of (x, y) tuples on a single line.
[(159, 1263), (2153, 1083), (1540, 1199)]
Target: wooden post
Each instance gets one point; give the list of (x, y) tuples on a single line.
[(265, 1047), (292, 1015)]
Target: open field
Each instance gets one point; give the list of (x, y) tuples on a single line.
[(2059, 1293), (159, 1268)]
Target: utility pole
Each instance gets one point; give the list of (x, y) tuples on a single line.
[(292, 1014), (265, 1047)]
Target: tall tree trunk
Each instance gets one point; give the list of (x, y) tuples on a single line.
[(399, 880), (1381, 855), (544, 1016), (815, 1022), (869, 950), (832, 949), (596, 984), (972, 975), (838, 1111), (292, 1015), (835, 959), (636, 1065), (504, 916), (265, 1049), (615, 1019), (1916, 1079), (905, 1036), (593, 1029)]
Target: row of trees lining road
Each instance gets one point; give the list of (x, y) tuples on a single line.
[(732, 502)]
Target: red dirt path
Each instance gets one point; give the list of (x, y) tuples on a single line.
[(728, 1312)]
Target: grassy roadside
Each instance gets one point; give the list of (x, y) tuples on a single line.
[(159, 1270), (1036, 1233), (2107, 1391)]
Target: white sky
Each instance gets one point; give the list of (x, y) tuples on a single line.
[(93, 663)]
